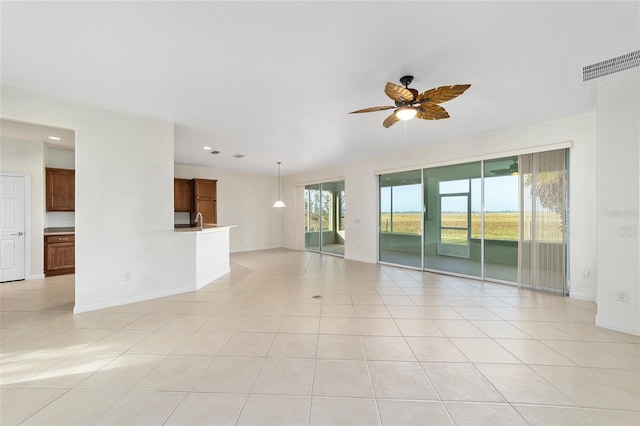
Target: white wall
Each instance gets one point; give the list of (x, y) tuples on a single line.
[(619, 202), (245, 200), (361, 188), (60, 158), (124, 200), (23, 157)]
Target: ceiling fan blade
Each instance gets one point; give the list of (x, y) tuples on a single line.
[(390, 120), (432, 112), (442, 94), (398, 93), (372, 109)]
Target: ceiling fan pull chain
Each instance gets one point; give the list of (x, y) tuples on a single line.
[(405, 132)]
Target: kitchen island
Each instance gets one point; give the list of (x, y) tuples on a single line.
[(211, 245)]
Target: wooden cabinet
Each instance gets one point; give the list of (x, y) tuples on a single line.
[(60, 190), (204, 200), (182, 195), (59, 255)]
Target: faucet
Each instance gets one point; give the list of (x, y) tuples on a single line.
[(199, 215)]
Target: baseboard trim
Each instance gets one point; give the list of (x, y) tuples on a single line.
[(78, 309), (35, 276), (587, 297), (209, 281), (358, 259), (623, 328)]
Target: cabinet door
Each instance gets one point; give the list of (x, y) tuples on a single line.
[(208, 210), (60, 255), (204, 194), (204, 189), (182, 195), (61, 189)]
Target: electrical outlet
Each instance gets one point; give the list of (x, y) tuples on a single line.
[(627, 232), (622, 296)]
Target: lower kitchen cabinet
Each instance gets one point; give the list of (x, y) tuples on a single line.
[(59, 254)]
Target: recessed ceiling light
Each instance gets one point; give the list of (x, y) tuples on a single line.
[(54, 138), (238, 155), (206, 147)]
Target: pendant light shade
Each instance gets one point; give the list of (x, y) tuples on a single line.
[(279, 203)]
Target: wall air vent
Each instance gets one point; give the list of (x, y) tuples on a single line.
[(611, 66), (238, 155)]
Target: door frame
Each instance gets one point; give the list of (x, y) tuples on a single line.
[(27, 223)]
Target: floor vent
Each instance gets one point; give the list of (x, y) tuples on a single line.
[(611, 66)]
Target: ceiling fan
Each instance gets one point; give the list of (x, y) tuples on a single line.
[(409, 103), (512, 170)]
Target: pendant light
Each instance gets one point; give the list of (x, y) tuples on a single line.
[(279, 203)]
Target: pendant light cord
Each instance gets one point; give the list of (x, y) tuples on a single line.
[(279, 183)]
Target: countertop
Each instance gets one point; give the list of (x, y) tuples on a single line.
[(207, 227), (59, 231)]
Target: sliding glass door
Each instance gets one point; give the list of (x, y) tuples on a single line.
[(502, 219), (400, 230), (452, 239), (312, 217), (325, 208)]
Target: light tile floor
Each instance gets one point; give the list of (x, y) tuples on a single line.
[(384, 345)]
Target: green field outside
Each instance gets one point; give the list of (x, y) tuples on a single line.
[(498, 226)]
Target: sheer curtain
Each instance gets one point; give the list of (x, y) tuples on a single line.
[(542, 263)]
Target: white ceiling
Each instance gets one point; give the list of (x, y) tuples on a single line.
[(38, 133), (275, 80)]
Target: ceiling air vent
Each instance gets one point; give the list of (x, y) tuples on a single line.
[(238, 155), (215, 152), (611, 66)]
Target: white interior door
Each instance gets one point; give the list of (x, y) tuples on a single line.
[(12, 235)]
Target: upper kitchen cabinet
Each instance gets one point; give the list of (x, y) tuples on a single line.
[(61, 189), (182, 195), (204, 199)]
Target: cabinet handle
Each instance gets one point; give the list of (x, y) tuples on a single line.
[(65, 239)]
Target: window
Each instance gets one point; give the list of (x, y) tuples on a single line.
[(327, 210), (401, 218), (400, 204), (341, 209), (311, 209)]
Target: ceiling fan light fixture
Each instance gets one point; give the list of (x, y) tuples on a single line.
[(513, 168), (406, 112)]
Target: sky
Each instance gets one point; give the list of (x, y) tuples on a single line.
[(500, 194)]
